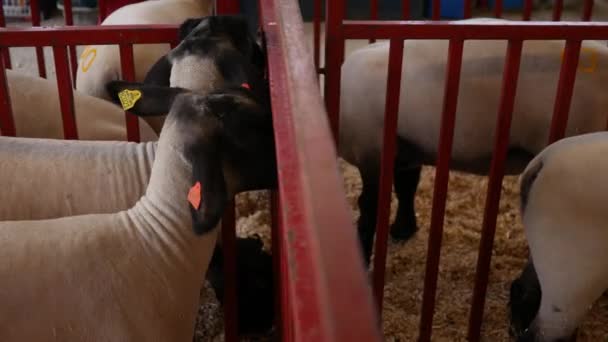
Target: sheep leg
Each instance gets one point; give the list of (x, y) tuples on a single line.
[(368, 205), (407, 176), (524, 300), (406, 184)]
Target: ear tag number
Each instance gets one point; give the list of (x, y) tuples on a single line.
[(128, 98)]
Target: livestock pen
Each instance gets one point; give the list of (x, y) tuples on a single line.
[(314, 243), (454, 295), (315, 248)]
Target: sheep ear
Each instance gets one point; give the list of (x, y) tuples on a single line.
[(159, 73), (143, 99), (187, 26), (208, 196)]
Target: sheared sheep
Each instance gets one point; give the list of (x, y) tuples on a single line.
[(564, 192), (363, 96), (138, 272), (37, 113)]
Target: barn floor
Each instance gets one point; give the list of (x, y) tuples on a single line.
[(406, 261)]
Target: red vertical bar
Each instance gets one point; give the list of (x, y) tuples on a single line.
[(4, 52), (373, 13), (405, 9), (2, 20), (316, 17), (391, 115), (334, 55), (501, 144), (436, 10), (66, 96), (446, 138), (35, 8), (558, 6), (284, 313), (467, 9), (587, 10), (527, 10), (7, 125), (128, 74), (565, 88), (103, 11), (498, 8), (67, 12), (230, 276), (69, 21)]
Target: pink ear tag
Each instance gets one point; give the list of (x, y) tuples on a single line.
[(194, 195), (246, 85)]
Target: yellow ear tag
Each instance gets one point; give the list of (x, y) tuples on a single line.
[(128, 98)]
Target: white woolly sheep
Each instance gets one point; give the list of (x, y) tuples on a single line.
[(138, 272), (124, 167), (99, 64), (50, 178), (37, 112), (363, 94), (563, 203)]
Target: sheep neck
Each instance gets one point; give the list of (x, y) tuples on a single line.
[(162, 216)]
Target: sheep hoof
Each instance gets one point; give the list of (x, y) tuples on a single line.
[(400, 234)]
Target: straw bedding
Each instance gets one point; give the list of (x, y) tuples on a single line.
[(406, 262)]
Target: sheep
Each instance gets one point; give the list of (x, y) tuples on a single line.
[(111, 176), (563, 192), (102, 177), (137, 272), (213, 51), (99, 64), (37, 112), (128, 164), (363, 94)]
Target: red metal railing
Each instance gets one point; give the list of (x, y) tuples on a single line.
[(317, 246), (62, 37), (35, 10), (435, 15), (313, 237), (338, 30)]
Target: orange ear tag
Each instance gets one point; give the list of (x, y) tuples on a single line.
[(194, 195), (246, 85)]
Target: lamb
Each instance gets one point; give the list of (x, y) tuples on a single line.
[(125, 167), (363, 94), (37, 113), (99, 64), (563, 194), (103, 176), (213, 51), (146, 263)]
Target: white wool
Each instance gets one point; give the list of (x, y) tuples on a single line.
[(106, 64), (131, 275), (37, 112), (363, 96), (566, 225), (101, 177), (195, 73)]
